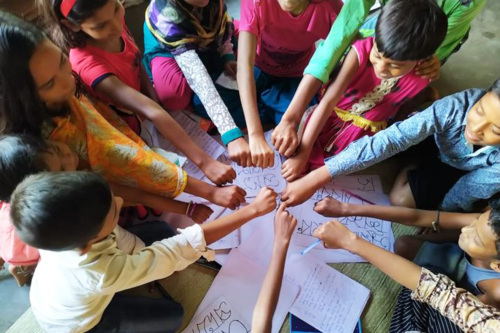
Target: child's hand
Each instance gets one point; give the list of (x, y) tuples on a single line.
[(429, 69), (230, 68), (201, 213), (284, 225), (297, 192), (228, 196), (262, 154), (239, 151), (219, 173), (284, 138), (335, 235), (293, 167), (265, 201), (331, 208)]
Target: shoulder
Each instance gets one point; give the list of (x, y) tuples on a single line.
[(363, 47)]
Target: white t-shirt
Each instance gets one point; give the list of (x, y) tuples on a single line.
[(69, 291)]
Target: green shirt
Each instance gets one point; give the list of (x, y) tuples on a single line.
[(354, 13)]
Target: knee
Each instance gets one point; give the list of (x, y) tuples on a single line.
[(175, 97), (402, 196), (406, 247)]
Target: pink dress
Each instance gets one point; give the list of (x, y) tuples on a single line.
[(12, 249), (365, 107), (286, 43)]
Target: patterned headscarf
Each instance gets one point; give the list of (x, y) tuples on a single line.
[(180, 27)]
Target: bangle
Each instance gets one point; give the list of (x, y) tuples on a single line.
[(188, 208), (193, 208), (435, 223)]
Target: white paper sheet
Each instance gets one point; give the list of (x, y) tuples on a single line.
[(218, 317), (374, 230), (240, 281), (227, 82), (328, 300)]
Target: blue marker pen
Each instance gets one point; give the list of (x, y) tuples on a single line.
[(310, 247)]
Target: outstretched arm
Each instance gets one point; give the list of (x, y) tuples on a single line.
[(284, 225), (133, 100), (262, 154), (408, 216)]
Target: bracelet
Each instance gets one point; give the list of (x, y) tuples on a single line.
[(193, 208), (188, 208), (435, 223)]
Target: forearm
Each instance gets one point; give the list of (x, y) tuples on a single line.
[(308, 87), (132, 195), (313, 129), (219, 228), (247, 47), (198, 188), (269, 293), (200, 81), (396, 267)]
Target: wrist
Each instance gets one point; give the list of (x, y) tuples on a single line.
[(291, 118), (253, 210), (353, 243)]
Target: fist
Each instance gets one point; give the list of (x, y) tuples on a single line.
[(265, 202)]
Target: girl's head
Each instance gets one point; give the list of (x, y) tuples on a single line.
[(481, 239), (406, 33), (23, 155), (79, 20), (35, 77), (483, 120)]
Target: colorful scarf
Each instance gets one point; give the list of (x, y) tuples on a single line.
[(181, 27), (103, 140)]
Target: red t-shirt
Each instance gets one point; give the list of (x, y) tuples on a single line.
[(286, 43), (94, 64)]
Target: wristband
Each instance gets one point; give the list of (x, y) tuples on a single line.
[(192, 209), (435, 223), (188, 208)]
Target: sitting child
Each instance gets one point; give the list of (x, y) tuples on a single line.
[(427, 288), (375, 79), (38, 97), (105, 56), (86, 263), (466, 129), (474, 263)]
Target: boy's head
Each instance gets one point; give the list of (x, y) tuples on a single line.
[(481, 239), (483, 120), (406, 32), (64, 210), (24, 155)]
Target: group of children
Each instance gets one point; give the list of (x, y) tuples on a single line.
[(71, 152)]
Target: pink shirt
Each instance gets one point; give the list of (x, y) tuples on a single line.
[(365, 80), (285, 43), (94, 64), (12, 249)]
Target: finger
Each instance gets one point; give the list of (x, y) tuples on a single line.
[(232, 174), (291, 177), (270, 162), (281, 208), (241, 191), (289, 151)]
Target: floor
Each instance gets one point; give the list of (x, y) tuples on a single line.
[(476, 65)]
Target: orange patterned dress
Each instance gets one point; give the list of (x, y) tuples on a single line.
[(103, 140)]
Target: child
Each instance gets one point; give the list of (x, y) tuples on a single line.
[(480, 240), (86, 263), (276, 41), (38, 95), (23, 155), (105, 56), (187, 46), (466, 128), (436, 290), (284, 226), (460, 14), (376, 78)]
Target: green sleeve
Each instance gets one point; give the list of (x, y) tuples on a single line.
[(343, 31), (459, 20)]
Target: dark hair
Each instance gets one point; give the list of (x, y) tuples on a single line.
[(82, 10), (19, 158), (494, 222), (495, 88), (410, 30), (60, 210), (21, 110)]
